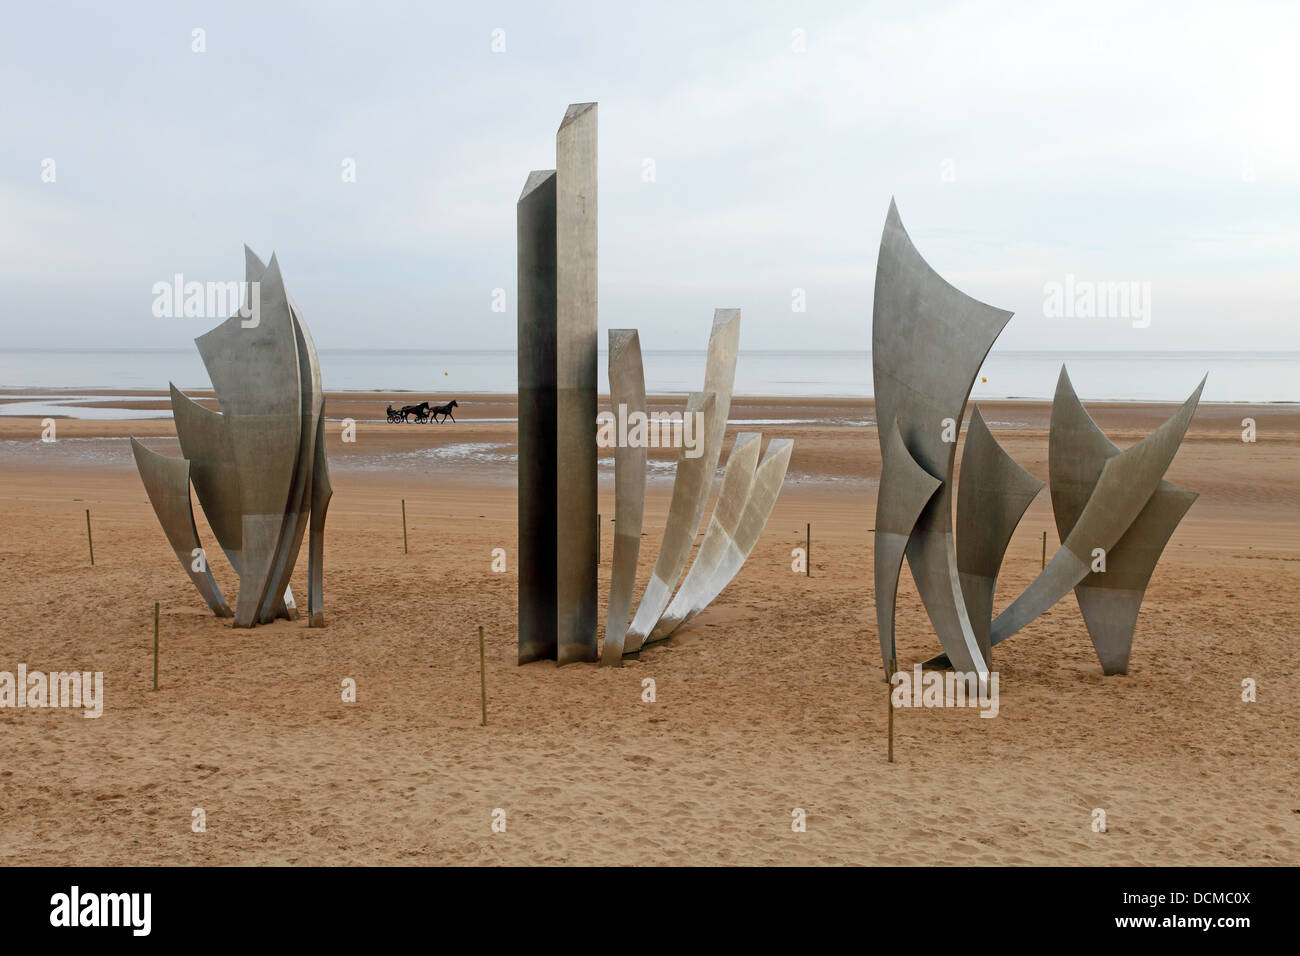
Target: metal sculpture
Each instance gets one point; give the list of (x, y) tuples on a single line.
[(1126, 482), (557, 270), (258, 466), (905, 489), (627, 398), (992, 495), (741, 510), (206, 445), (737, 481), (535, 222), (1113, 509), (167, 482), (694, 476), (928, 340), (556, 222), (690, 488), (768, 479), (1110, 600)]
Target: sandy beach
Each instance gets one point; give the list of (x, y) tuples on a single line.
[(771, 700)]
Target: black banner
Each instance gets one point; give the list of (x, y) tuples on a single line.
[(301, 904)]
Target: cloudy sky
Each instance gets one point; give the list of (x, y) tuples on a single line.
[(1150, 143)]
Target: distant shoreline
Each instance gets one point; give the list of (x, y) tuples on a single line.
[(102, 397), (1238, 377)]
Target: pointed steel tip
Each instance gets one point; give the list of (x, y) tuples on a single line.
[(574, 111), (620, 339), (1195, 397), (723, 317), (535, 179), (894, 223), (252, 261), (777, 449), (274, 275), (700, 402)]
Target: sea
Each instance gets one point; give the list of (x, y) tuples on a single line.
[(1256, 377)]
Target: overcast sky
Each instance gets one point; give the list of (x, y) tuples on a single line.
[(1119, 142)]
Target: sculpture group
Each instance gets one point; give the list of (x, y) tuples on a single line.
[(557, 352), (1114, 510), (258, 466)]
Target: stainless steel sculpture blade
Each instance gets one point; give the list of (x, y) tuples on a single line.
[(279, 599), (626, 398), (256, 465), (905, 489), (737, 481), (768, 479), (167, 482), (535, 225), (253, 364), (690, 485), (203, 440), (1110, 601), (1126, 482), (992, 495), (254, 270), (575, 394), (928, 342), (694, 480), (321, 492)]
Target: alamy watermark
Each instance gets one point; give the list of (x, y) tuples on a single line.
[(129, 910), (72, 689), (1087, 299), (948, 689), (208, 300), (624, 429)]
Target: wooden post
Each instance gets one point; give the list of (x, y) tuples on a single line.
[(889, 697), (404, 526), (155, 645), (1044, 564), (807, 556), (90, 540), (482, 674)]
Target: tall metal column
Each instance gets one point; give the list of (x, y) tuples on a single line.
[(535, 224), (575, 385)]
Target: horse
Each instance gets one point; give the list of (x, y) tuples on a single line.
[(444, 410), (421, 412)]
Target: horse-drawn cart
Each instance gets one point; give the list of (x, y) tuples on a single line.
[(422, 413)]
